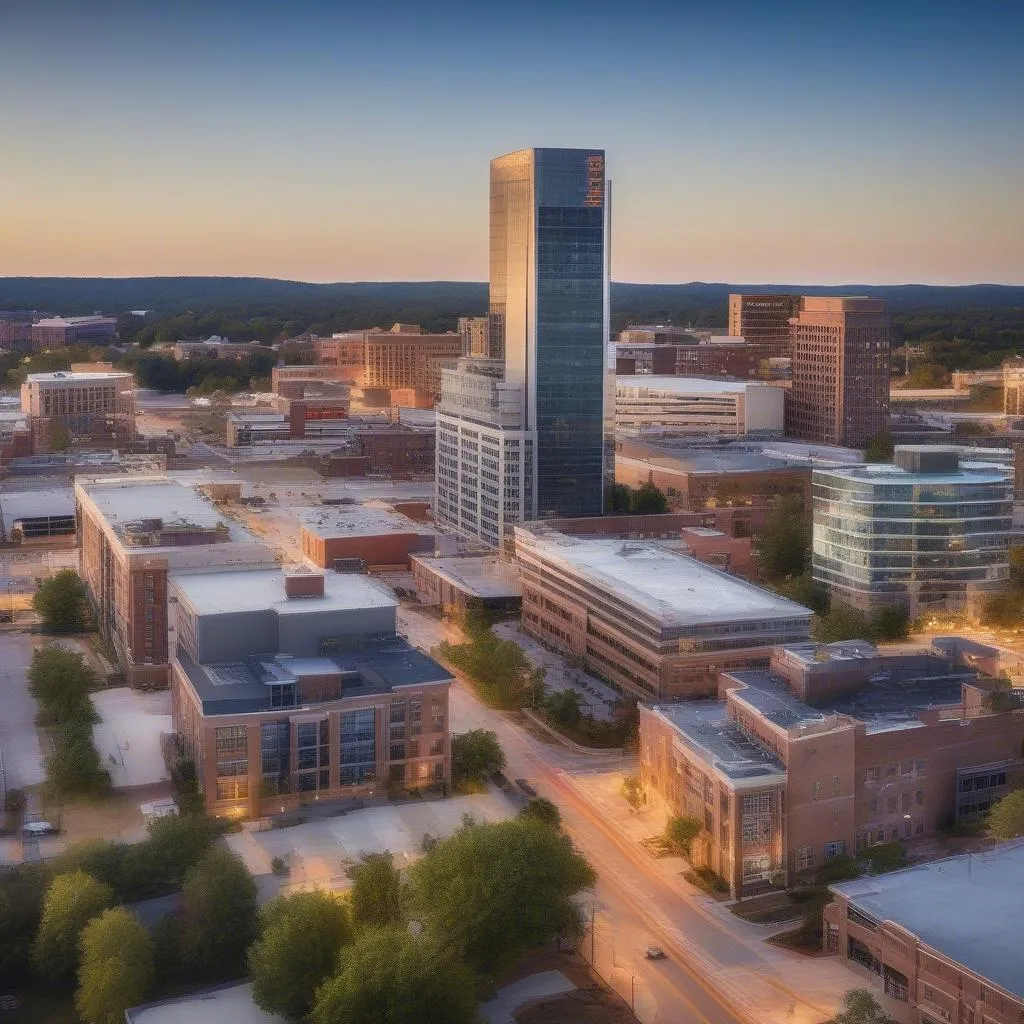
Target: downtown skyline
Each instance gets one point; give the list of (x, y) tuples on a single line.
[(321, 142)]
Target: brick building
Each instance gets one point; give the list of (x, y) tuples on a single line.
[(293, 687), (386, 450), (834, 749), (459, 583), (95, 407), (134, 533), (720, 357), (377, 538), (840, 351), (403, 357), (16, 329), (763, 321), (943, 937), (649, 619)]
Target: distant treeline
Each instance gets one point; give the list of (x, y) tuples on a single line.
[(963, 327)]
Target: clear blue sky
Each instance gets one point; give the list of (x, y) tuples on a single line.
[(749, 142)]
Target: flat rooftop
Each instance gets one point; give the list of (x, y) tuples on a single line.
[(891, 700), (35, 504), (697, 456), (67, 377), (967, 908), (250, 590), (486, 576), (127, 499), (332, 521), (369, 669), (668, 586), (703, 727), (878, 474), (687, 385)]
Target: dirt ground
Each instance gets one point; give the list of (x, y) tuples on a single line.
[(592, 1003)]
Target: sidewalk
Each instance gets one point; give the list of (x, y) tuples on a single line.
[(502, 1008)]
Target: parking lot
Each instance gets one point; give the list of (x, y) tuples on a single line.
[(318, 851), (19, 741)]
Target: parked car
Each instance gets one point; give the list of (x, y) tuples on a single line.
[(654, 953), (526, 787), (38, 828)]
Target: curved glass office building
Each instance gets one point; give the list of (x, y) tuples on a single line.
[(924, 533)]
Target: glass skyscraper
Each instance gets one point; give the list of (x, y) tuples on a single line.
[(549, 262)]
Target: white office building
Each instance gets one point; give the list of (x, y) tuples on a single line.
[(694, 405), (485, 469)]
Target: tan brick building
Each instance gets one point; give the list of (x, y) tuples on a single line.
[(833, 750), (377, 538), (290, 688), (943, 937), (840, 390), (403, 357), (134, 532), (646, 618), (95, 407)]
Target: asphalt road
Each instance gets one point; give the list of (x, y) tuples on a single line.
[(19, 742)]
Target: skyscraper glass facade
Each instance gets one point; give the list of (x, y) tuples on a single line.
[(549, 303)]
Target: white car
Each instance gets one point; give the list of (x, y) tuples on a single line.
[(654, 953), (38, 828)]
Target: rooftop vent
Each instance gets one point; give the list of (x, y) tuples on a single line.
[(303, 584)]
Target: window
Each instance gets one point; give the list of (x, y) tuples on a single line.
[(919, 797), (890, 771), (872, 776), (233, 789), (231, 740), (437, 722), (816, 791), (436, 747), (397, 752), (837, 848), (397, 712), (805, 858), (919, 767), (835, 785)]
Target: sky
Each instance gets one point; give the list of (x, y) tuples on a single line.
[(825, 143)]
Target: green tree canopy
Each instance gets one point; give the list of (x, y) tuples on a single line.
[(880, 448), (890, 622), (861, 1007), (648, 500), (618, 500), (61, 602), (60, 682), (1006, 819), (543, 810), (805, 590), (842, 622), (391, 977), (784, 547), (116, 972), (476, 756), (218, 916), (680, 833), (298, 947), (491, 891), (74, 767), (71, 902), (376, 896)]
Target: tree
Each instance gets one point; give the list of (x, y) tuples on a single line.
[(391, 977), (680, 833), (218, 916), (618, 500), (1006, 819), (880, 448), (61, 602), (476, 756), (298, 947), (806, 590), (890, 622), (562, 708), (74, 767), (376, 896), (71, 902), (783, 549), (633, 791), (843, 622), (647, 500), (543, 810), (60, 682), (117, 967), (492, 891), (861, 1007)]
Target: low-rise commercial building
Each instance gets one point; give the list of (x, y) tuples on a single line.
[(687, 356), (134, 533), (929, 532), (16, 329), (694, 405), (377, 538), (943, 937), (387, 450), (457, 584), (37, 516), (62, 331), (648, 619), (832, 750), (293, 687), (65, 407)]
